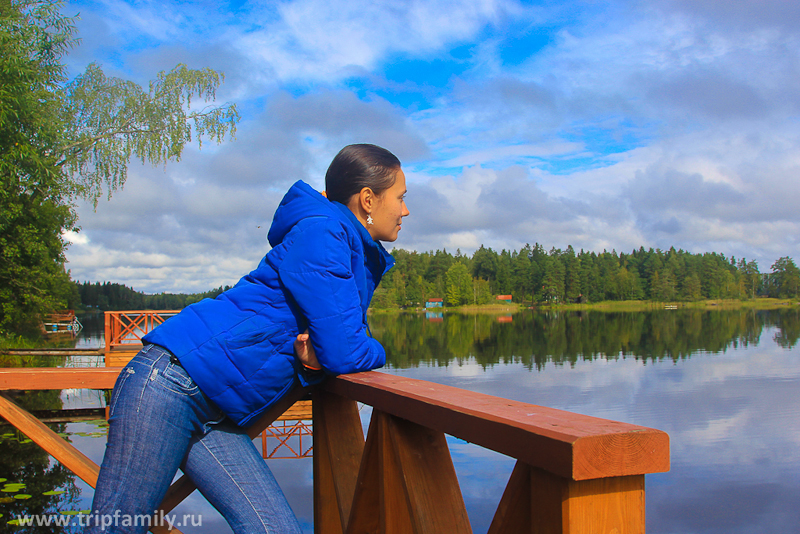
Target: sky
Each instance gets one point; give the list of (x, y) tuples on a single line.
[(597, 124)]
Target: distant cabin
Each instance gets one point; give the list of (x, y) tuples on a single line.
[(434, 303), (504, 298)]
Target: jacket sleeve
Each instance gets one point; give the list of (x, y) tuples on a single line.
[(317, 273)]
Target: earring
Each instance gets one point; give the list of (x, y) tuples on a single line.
[(370, 222)]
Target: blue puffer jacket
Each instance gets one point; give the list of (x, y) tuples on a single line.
[(320, 274)]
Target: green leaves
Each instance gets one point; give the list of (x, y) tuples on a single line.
[(110, 120)]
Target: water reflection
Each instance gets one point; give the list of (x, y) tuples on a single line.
[(30, 483), (534, 339), (723, 384)]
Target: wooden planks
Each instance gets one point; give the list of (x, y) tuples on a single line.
[(120, 356), (299, 411), (569, 445)]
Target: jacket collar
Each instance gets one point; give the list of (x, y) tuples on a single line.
[(373, 250)]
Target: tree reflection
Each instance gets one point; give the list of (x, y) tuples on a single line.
[(536, 338)]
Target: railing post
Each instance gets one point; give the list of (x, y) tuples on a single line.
[(338, 446), (407, 482), (108, 334), (543, 503)]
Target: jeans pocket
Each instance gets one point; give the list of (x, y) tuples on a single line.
[(176, 379), (123, 377)]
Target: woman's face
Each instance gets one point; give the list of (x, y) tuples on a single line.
[(390, 208)]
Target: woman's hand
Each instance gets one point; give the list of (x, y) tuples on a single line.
[(305, 352)]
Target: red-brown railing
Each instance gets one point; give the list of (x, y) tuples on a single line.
[(284, 440), (574, 473), (126, 328)]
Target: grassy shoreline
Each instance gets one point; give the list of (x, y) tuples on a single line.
[(624, 305), (714, 304)]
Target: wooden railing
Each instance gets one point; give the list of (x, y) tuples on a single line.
[(574, 473), (125, 329)]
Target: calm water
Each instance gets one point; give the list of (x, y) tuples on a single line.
[(724, 385)]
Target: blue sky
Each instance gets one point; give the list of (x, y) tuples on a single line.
[(601, 125)]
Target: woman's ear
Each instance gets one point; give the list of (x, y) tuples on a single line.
[(367, 199)]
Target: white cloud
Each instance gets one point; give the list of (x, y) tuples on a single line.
[(314, 40)]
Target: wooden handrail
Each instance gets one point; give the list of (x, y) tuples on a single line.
[(29, 378), (565, 443)]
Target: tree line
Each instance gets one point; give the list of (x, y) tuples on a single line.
[(110, 296), (66, 139), (534, 275)]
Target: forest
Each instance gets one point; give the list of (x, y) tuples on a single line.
[(530, 275), (533, 275)]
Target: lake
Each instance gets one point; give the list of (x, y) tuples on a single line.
[(723, 384)]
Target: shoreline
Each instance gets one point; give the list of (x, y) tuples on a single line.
[(623, 305)]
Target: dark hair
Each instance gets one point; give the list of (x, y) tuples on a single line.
[(358, 166)]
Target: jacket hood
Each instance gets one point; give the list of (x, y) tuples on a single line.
[(303, 201), (300, 202)]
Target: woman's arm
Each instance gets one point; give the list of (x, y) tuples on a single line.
[(316, 270)]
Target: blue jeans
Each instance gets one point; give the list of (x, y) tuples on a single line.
[(160, 421)]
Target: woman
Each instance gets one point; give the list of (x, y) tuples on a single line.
[(205, 374)]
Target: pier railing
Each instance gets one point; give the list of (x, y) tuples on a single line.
[(124, 329), (574, 473)]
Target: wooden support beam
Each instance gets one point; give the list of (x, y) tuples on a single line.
[(338, 447), (513, 515), (42, 435), (407, 483), (58, 448)]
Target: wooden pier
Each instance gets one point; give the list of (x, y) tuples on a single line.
[(574, 473)]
